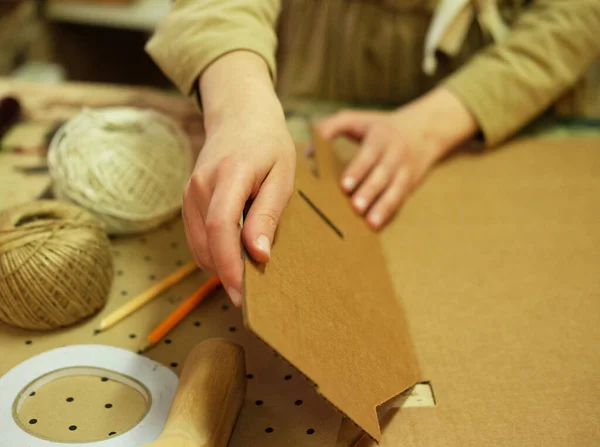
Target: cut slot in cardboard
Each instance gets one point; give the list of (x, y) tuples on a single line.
[(325, 301)]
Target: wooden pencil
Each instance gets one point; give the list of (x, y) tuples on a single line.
[(180, 313), (145, 297)]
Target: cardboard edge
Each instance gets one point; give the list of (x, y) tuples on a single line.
[(376, 437)]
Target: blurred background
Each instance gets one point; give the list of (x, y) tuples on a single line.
[(103, 41), (80, 40)]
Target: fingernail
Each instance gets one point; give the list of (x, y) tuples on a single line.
[(360, 203), (263, 244), (375, 220), (235, 296), (348, 183)]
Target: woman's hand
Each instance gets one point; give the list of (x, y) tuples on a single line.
[(248, 155), (397, 150)]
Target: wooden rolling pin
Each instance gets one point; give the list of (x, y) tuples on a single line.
[(209, 397)]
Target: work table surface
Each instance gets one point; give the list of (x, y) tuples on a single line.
[(495, 259)]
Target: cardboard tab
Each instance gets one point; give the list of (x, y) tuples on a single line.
[(325, 301)]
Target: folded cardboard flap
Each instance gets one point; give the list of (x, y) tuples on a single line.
[(326, 303)]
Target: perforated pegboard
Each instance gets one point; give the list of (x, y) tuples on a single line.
[(281, 407)]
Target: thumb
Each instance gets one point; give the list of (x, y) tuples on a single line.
[(350, 123), (263, 217)]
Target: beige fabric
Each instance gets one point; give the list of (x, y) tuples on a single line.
[(450, 25), (371, 51), (196, 32), (548, 51)]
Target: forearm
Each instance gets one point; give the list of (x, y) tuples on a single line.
[(197, 33), (237, 84), (512, 82), (445, 121)]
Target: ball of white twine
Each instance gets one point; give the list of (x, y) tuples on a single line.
[(127, 166)]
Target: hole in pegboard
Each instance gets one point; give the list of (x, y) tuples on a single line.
[(168, 341), (174, 365), (108, 406), (310, 431), (258, 403), (197, 323), (232, 329), (104, 379), (33, 421), (69, 399), (147, 258), (32, 393), (152, 277), (28, 342), (97, 331), (298, 403), (132, 336), (288, 377), (179, 263), (174, 245), (225, 307), (123, 292), (112, 433), (119, 272), (73, 427), (269, 430), (249, 376)]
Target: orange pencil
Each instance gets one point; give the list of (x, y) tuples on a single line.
[(180, 313)]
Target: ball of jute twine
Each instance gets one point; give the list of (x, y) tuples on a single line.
[(127, 166), (55, 265)]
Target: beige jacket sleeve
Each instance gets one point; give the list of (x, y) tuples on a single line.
[(197, 32), (549, 49)]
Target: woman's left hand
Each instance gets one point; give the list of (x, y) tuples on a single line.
[(397, 150)]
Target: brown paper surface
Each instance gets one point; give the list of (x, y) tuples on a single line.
[(497, 258)]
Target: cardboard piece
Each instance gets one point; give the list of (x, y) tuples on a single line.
[(326, 303)]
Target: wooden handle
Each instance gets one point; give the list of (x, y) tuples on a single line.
[(209, 397)]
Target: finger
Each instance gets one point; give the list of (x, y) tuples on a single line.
[(195, 233), (350, 123), (369, 154), (390, 201), (266, 210), (222, 228), (198, 192), (375, 184)]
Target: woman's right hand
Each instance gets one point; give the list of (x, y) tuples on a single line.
[(248, 156)]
